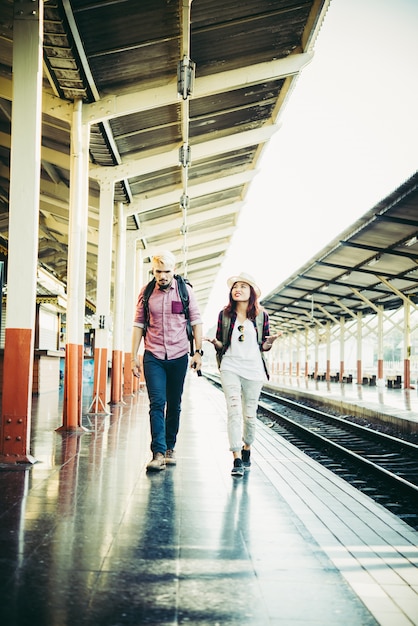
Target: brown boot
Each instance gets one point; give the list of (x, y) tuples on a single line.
[(157, 463)]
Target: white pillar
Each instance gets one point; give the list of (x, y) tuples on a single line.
[(76, 272), (103, 312), (104, 263), (342, 348), (407, 345), (25, 169), (380, 335), (359, 348), (119, 297)]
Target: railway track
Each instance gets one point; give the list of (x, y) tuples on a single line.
[(381, 465)]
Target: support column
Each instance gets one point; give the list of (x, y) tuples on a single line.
[(380, 373), (342, 348), (130, 302), (407, 345), (297, 354), (306, 353), (359, 348), (328, 335), (103, 315), (141, 277), (77, 253), (25, 165), (118, 334)]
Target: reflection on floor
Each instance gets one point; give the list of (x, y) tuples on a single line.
[(89, 538)]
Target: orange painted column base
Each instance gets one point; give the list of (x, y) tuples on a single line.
[(128, 377), (116, 378), (17, 396), (359, 373), (407, 374), (73, 384)]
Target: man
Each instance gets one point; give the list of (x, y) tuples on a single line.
[(166, 354)]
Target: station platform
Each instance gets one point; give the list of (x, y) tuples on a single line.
[(89, 538), (397, 407)]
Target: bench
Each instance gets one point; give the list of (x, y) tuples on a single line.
[(369, 379), (394, 382)]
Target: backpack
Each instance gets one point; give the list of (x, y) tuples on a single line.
[(184, 297), (226, 324)]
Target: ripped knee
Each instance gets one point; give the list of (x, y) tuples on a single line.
[(234, 402)]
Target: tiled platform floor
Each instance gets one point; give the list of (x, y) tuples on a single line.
[(88, 538)]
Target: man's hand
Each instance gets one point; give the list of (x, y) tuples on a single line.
[(136, 367), (196, 363)]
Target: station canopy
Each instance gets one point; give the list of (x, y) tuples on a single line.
[(181, 97), (371, 266)]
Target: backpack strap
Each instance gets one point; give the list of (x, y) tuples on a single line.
[(184, 296), (226, 323), (145, 298), (259, 324)]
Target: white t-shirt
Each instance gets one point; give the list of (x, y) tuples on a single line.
[(243, 357)]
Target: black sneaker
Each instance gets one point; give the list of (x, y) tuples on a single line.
[(246, 461), (238, 469)]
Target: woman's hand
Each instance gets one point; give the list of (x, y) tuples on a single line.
[(268, 341), (217, 344)]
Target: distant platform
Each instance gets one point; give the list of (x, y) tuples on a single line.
[(398, 407)]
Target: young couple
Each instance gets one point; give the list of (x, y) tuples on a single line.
[(241, 339)]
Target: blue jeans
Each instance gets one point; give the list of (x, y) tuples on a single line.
[(165, 382)]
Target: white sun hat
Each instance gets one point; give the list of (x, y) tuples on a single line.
[(244, 278)]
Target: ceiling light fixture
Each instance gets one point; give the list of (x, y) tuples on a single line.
[(411, 241), (375, 260), (185, 77)]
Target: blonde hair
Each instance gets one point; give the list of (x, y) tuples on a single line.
[(163, 258)]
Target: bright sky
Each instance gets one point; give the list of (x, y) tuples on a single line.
[(347, 138)]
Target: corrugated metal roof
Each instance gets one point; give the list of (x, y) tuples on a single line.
[(372, 264), (247, 56)]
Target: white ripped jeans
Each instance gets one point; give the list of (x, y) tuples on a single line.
[(241, 397)]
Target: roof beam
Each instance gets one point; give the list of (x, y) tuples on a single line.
[(378, 250), (147, 162), (112, 106), (144, 163), (154, 227), (142, 204)]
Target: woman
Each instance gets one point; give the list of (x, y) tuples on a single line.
[(241, 338)]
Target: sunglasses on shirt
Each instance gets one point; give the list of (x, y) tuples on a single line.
[(241, 330)]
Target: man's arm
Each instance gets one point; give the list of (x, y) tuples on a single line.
[(137, 333), (196, 361)]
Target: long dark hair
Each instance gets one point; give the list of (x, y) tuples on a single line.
[(253, 307)]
